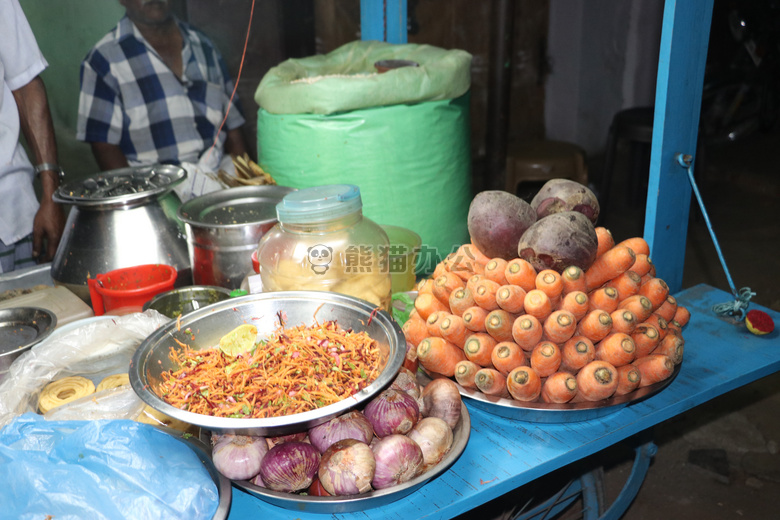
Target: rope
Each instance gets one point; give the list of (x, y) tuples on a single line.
[(742, 297)]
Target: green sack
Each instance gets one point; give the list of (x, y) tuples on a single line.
[(346, 79)]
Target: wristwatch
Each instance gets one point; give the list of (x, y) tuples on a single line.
[(43, 167)]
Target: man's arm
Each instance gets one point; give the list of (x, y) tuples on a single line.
[(38, 130), (109, 156), (235, 144)]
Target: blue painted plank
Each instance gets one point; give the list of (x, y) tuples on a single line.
[(683, 52), (395, 12), (503, 454), (372, 20)]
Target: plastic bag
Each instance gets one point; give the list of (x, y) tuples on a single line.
[(100, 470), (93, 348)]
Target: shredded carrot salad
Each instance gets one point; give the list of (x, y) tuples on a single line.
[(296, 370)]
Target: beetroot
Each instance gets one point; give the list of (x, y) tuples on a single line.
[(496, 221), (559, 195), (558, 241)]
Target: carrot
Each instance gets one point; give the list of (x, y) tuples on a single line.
[(485, 294), (527, 331), (605, 240), (573, 279), (468, 259), (560, 387), (667, 308), (439, 355), (559, 326), (520, 272), (656, 291), (471, 283), (672, 327), (508, 355), (576, 353), (474, 318), (628, 379), (611, 264), (550, 283), (491, 382), (453, 329), (640, 305), (524, 384), (647, 277), (432, 323), (653, 368), (494, 270), (474, 252), (596, 381), (671, 346), (425, 286), (464, 373), (595, 325), (637, 244), (682, 316), (617, 349), (441, 268), (460, 300), (445, 284), (479, 347), (537, 304), (426, 304), (576, 302), (623, 320), (626, 284), (510, 298), (646, 338), (545, 358), (414, 330), (604, 298), (643, 265), (659, 323), (498, 324)]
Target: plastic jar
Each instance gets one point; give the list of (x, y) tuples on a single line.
[(323, 242)]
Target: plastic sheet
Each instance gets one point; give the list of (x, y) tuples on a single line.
[(106, 469)]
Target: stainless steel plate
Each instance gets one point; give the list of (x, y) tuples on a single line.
[(22, 327), (378, 498)]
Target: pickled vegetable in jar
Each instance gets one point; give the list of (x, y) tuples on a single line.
[(322, 242)]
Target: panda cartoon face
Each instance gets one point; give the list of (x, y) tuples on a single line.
[(320, 256)]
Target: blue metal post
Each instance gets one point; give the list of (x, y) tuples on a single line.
[(684, 40), (383, 20)]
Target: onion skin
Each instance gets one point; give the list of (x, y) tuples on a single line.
[(434, 436), (351, 425), (347, 468), (398, 460), (410, 361), (406, 381), (273, 441), (392, 412), (238, 457), (290, 466), (441, 399)]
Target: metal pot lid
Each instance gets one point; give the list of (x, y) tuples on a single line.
[(233, 207), (122, 185)]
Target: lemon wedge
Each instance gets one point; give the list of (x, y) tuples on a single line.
[(239, 340)]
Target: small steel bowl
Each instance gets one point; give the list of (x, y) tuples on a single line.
[(203, 328), (185, 300)]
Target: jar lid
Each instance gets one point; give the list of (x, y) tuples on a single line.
[(319, 204)]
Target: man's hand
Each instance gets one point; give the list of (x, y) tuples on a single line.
[(48, 224)]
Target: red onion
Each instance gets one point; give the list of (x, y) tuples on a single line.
[(290, 466), (238, 457), (441, 399), (411, 362), (406, 381), (351, 425), (398, 459), (434, 436), (317, 489), (347, 468), (273, 441), (392, 412)]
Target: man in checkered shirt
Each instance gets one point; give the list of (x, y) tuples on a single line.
[(156, 90)]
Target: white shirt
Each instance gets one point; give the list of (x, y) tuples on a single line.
[(20, 62)]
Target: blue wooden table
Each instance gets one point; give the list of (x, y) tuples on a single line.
[(504, 454)]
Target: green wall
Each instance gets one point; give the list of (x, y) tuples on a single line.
[(66, 30)]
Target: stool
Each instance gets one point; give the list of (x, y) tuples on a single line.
[(634, 125), (544, 160)]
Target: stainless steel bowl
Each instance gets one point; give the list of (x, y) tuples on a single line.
[(20, 329), (202, 329), (185, 300)]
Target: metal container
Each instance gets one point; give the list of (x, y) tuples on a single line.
[(121, 218), (185, 300), (202, 329), (20, 329), (223, 229)]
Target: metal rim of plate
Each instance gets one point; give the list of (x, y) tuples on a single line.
[(42, 321), (372, 499), (561, 413)]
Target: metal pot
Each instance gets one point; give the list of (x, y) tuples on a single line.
[(121, 218), (223, 229)]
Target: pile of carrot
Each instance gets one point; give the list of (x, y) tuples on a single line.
[(501, 327)]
